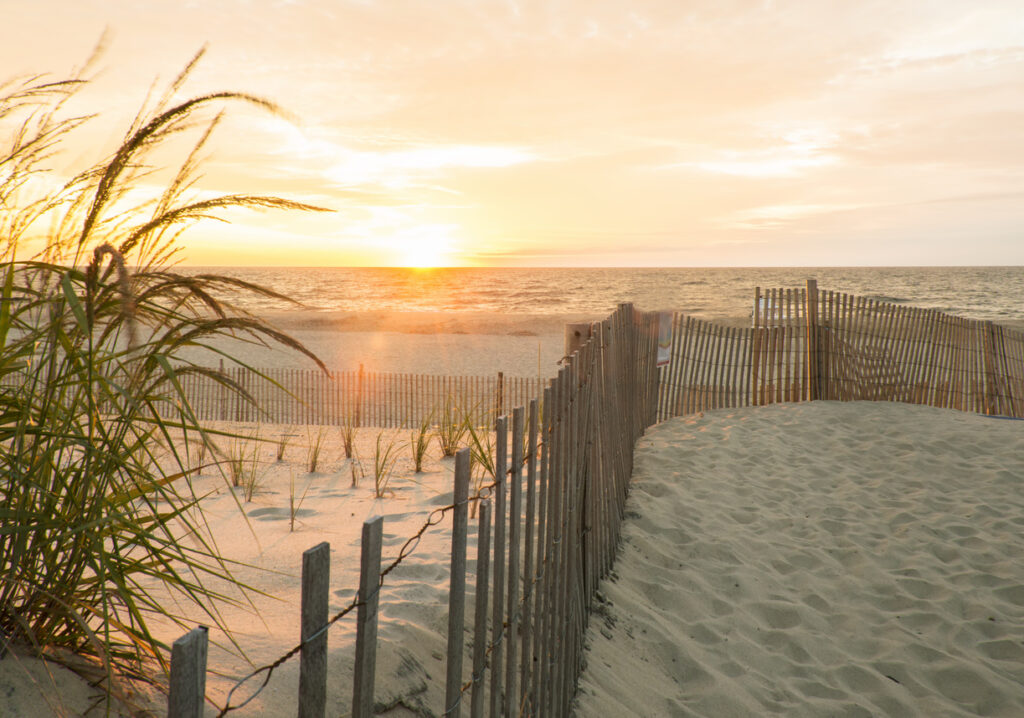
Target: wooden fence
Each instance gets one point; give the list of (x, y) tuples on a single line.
[(549, 526), (360, 398), (807, 344)]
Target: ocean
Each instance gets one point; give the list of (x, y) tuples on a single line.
[(988, 293), (482, 320)]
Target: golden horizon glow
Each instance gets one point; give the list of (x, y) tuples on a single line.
[(576, 134)]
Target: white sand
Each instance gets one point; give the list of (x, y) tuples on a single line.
[(820, 559), (442, 343), (804, 560), (413, 601)]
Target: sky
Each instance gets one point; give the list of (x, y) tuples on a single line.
[(578, 132)]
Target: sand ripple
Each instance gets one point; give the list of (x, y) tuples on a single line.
[(820, 559)]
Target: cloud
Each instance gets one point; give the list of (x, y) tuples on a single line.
[(760, 117)]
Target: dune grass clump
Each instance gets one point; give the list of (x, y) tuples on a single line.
[(481, 460), (93, 324), (314, 447), (451, 427), (282, 444), (243, 462), (295, 501), (419, 442), (348, 435), (384, 458)]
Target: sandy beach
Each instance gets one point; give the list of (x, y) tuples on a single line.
[(818, 559), (441, 343), (259, 535)]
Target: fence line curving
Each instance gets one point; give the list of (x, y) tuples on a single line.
[(563, 466), (553, 514), (807, 344)]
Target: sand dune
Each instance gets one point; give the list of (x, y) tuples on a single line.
[(820, 559), (259, 535)]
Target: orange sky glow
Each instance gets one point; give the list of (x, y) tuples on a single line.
[(579, 133)]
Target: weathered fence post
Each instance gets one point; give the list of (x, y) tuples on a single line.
[(813, 342), (457, 590), (188, 675), (576, 335), (498, 564), (366, 618), (316, 579), (483, 565), (359, 396), (991, 377), (527, 669), (515, 517), (222, 395), (499, 396)]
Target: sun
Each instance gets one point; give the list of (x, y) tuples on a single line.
[(423, 246)]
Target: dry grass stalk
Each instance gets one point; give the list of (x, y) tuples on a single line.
[(94, 517)]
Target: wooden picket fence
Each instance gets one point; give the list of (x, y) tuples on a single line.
[(359, 398), (807, 344), (549, 526)]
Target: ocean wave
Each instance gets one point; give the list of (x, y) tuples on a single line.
[(981, 293), (887, 299)]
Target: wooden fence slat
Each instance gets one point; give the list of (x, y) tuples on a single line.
[(187, 694), (457, 590), (498, 563), (514, 576), (544, 550), (483, 563), (526, 655), (367, 618), (316, 578)]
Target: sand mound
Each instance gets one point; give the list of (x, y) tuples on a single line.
[(259, 534), (820, 559)]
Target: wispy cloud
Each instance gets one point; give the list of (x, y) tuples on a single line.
[(533, 116), (791, 153)]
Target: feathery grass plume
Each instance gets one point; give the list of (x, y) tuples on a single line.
[(419, 442), (314, 445), (384, 458), (451, 427), (91, 519)]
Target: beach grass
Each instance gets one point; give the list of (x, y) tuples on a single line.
[(384, 458), (93, 322), (419, 442), (451, 427), (314, 447)]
